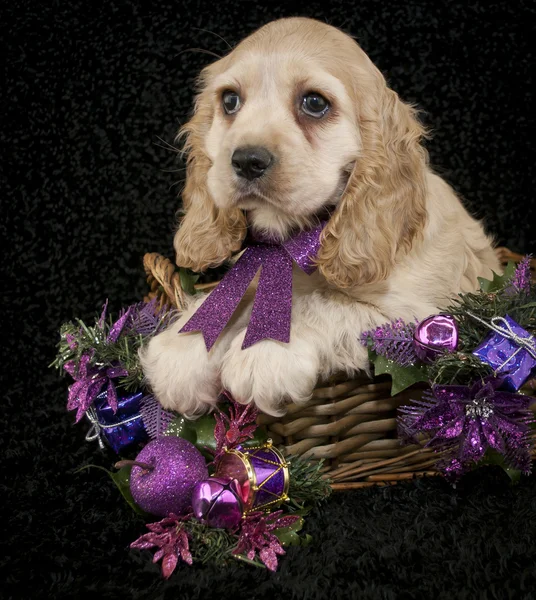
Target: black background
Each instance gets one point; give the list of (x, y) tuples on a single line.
[(94, 94)]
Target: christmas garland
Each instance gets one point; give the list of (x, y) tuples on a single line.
[(224, 492), (476, 358)]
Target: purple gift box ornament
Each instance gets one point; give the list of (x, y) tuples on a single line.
[(262, 473), (509, 349), (121, 429)]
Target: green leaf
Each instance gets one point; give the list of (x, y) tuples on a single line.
[(258, 439), (199, 432), (253, 563), (499, 281), (188, 280), (288, 536), (403, 377), (204, 429), (492, 457), (122, 480), (181, 427)]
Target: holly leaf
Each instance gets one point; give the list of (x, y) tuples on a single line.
[(259, 437), (492, 457), (288, 536), (402, 377), (199, 432), (181, 427), (204, 430), (188, 280), (499, 281), (121, 478)]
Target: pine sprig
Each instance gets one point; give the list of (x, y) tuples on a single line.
[(307, 486), (393, 341), (457, 368), (510, 294), (487, 305), (78, 339), (210, 545)]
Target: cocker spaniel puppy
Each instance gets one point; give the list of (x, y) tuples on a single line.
[(294, 123)]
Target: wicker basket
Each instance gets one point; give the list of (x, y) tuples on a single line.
[(351, 424)]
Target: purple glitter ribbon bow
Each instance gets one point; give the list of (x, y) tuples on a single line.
[(270, 316)]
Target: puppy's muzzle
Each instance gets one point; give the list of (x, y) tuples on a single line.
[(251, 162)]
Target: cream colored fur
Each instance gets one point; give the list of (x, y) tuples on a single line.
[(398, 244)]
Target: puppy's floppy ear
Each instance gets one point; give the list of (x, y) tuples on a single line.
[(207, 235), (383, 205)]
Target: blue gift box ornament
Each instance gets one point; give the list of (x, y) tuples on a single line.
[(510, 350), (121, 429)]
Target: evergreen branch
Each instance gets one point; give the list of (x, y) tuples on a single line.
[(78, 339), (307, 486), (457, 368), (209, 544)]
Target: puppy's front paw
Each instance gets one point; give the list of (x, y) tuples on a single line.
[(270, 373), (181, 372)]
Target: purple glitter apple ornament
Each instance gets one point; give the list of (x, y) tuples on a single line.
[(218, 502), (164, 475), (434, 336)]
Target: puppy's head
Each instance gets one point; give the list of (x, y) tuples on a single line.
[(296, 120)]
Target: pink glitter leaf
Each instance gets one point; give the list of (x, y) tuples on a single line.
[(269, 558), (168, 565), (171, 539)]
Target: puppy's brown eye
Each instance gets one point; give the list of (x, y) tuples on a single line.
[(315, 105), (231, 102)]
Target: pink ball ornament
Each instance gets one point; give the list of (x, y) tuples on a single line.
[(164, 475), (434, 336)]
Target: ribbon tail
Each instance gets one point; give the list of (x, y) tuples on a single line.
[(303, 248), (218, 308), (94, 432), (270, 316)]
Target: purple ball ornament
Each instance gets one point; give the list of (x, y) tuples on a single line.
[(218, 502), (164, 475), (435, 335)]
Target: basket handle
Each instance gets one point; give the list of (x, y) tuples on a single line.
[(165, 283)]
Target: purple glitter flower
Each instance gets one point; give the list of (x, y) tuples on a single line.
[(171, 539), (91, 376), (463, 422), (89, 381), (393, 340), (256, 535)]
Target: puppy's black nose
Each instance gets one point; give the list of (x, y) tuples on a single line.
[(251, 162)]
